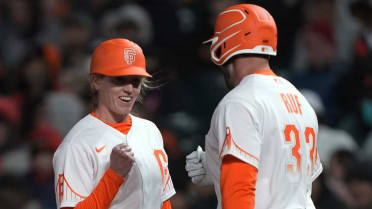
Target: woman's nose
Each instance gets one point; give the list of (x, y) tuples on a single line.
[(128, 87)]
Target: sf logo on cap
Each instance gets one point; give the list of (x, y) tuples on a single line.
[(129, 55)]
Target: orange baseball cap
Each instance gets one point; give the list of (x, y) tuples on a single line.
[(118, 57)]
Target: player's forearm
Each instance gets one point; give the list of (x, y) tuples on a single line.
[(104, 193), (238, 184)]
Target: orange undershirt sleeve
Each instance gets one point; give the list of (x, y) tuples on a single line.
[(104, 193), (166, 205), (238, 183)]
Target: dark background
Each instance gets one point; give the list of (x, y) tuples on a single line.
[(324, 48)]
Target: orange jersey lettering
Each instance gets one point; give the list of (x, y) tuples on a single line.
[(291, 103)]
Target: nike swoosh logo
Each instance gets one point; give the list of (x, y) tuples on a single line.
[(98, 150)]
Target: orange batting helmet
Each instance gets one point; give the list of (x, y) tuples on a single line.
[(243, 29), (118, 57)]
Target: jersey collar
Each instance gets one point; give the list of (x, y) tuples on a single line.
[(265, 72), (123, 127)]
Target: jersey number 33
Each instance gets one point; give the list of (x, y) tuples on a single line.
[(303, 154)]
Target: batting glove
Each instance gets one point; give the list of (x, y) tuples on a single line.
[(196, 167)]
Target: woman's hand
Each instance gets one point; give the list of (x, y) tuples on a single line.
[(121, 159)]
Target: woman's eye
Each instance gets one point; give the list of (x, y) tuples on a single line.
[(127, 80)]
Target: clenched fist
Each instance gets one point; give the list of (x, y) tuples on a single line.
[(121, 159)]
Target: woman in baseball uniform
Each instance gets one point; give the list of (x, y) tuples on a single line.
[(110, 158)]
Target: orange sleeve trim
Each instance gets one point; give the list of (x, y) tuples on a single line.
[(104, 193), (166, 183), (242, 150), (68, 185), (238, 183), (229, 141), (166, 205)]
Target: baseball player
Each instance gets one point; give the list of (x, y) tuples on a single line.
[(261, 147), (110, 158)]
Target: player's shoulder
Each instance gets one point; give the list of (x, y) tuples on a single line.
[(255, 92), (142, 122), (147, 128), (241, 95), (236, 103), (85, 130), (144, 126), (87, 125), (250, 88)]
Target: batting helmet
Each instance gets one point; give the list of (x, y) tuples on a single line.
[(243, 29), (118, 57)]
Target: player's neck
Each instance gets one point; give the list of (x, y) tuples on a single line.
[(248, 65), (109, 116)]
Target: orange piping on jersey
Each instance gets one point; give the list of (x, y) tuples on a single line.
[(245, 152), (166, 183), (61, 176), (265, 72), (238, 183), (104, 193), (157, 154), (228, 140), (60, 186), (166, 205)]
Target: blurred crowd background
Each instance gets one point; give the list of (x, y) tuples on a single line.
[(324, 48)]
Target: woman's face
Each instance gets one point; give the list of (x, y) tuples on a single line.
[(116, 96)]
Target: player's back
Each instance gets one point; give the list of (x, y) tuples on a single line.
[(288, 127)]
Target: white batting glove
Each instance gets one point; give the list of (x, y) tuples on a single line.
[(196, 167)]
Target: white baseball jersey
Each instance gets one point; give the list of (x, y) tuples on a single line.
[(84, 156), (266, 122)]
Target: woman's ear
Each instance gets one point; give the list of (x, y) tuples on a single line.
[(94, 81)]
